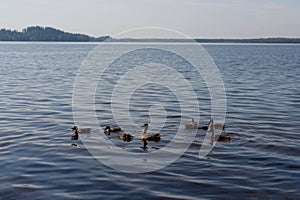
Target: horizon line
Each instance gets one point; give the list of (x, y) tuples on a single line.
[(171, 38)]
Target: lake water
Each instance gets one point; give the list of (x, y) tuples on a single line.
[(38, 160)]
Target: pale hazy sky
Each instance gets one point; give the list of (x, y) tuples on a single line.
[(195, 18)]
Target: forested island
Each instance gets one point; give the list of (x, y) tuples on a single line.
[(49, 34)]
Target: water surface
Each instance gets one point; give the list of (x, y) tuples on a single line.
[(262, 160)]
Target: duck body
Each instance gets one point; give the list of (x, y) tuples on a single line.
[(224, 138), (220, 126), (125, 137), (81, 130), (74, 137), (149, 136), (191, 125), (108, 130), (221, 138)]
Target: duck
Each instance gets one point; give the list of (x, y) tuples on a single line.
[(216, 126), (191, 125), (223, 137), (81, 130), (125, 137), (75, 136), (149, 136), (108, 130)]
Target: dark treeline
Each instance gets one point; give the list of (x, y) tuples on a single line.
[(38, 33)]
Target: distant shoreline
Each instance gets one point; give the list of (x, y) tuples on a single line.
[(49, 34), (217, 41), (200, 41)]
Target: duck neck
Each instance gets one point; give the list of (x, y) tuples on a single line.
[(145, 130), (211, 126)]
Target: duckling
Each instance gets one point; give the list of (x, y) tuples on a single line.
[(81, 130), (108, 130), (150, 137), (191, 125), (125, 137)]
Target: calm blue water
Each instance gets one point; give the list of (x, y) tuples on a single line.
[(263, 101)]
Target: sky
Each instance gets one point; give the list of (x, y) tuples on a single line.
[(193, 18)]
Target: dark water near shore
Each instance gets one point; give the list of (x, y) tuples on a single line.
[(262, 160)]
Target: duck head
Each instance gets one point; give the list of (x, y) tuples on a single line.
[(145, 128), (75, 129), (211, 125), (145, 125), (107, 129)]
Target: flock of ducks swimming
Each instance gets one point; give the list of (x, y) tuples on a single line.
[(223, 137), (145, 137), (193, 125), (123, 136)]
